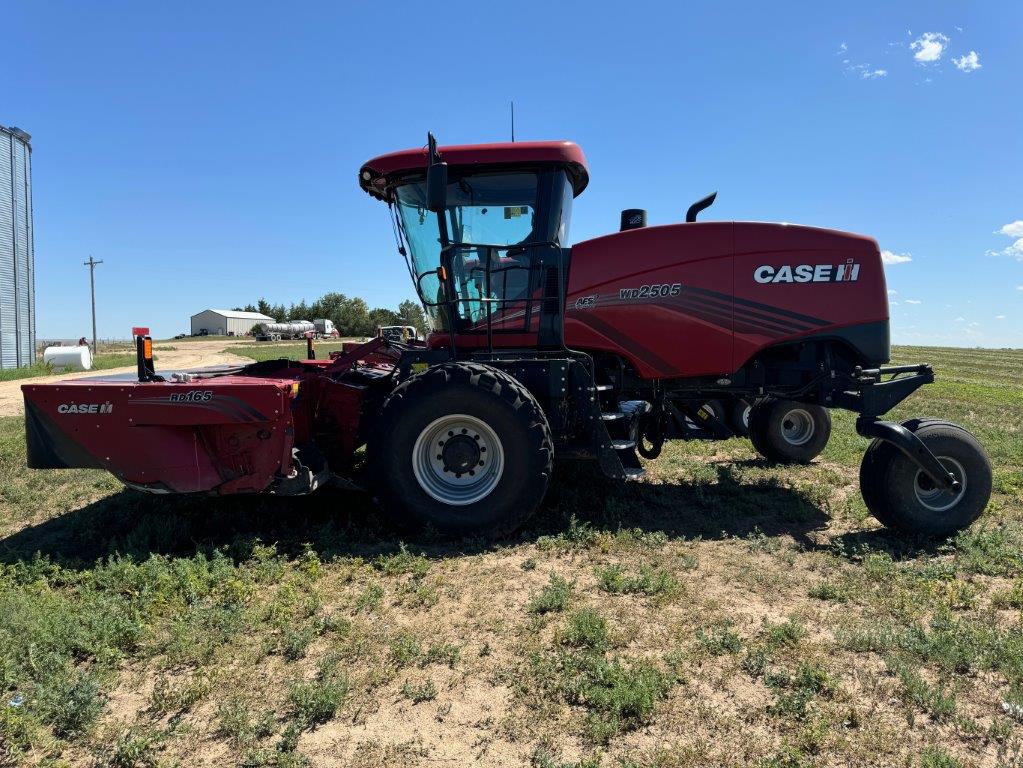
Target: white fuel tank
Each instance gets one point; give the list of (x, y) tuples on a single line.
[(73, 358)]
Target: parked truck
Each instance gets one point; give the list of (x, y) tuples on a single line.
[(325, 329)]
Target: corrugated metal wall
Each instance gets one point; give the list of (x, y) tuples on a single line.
[(17, 252)]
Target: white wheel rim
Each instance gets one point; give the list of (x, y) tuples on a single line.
[(745, 416), (458, 459), (936, 498), (797, 427)]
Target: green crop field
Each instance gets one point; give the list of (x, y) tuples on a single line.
[(724, 611)]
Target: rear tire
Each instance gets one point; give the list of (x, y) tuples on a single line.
[(901, 497), (788, 432), (738, 417), (462, 449)]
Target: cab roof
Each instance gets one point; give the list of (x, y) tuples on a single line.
[(376, 175)]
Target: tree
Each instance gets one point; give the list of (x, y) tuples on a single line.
[(380, 316), (353, 318), (413, 314)]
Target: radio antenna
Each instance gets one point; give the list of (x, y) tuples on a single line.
[(513, 120)]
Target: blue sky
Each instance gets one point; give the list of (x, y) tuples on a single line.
[(207, 152)]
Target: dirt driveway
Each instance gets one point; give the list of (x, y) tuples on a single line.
[(186, 354)]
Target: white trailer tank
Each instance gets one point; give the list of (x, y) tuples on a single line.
[(293, 329)]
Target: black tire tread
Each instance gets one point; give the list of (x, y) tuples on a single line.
[(437, 378), (772, 447), (884, 502)]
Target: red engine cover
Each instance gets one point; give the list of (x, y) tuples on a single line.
[(703, 298)]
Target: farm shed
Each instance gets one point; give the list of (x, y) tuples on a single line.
[(226, 322)]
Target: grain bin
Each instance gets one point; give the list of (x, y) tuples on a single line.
[(17, 255)]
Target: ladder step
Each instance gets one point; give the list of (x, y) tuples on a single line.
[(605, 387), (634, 473), (612, 416), (623, 445)]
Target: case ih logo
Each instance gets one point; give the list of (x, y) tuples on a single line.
[(808, 273), (85, 408)]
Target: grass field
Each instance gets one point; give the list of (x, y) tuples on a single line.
[(722, 612), (102, 362), (293, 349)]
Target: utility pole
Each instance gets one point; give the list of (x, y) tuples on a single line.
[(91, 264)]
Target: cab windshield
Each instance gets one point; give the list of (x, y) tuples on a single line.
[(501, 210)]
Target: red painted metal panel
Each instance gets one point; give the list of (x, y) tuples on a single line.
[(502, 153), (667, 332)]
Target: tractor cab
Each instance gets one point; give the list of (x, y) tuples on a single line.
[(484, 229)]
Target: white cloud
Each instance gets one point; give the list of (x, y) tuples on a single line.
[(843, 48), (890, 257), (892, 292), (913, 301), (1015, 229), (865, 71), (974, 325), (1019, 287), (929, 47), (999, 317), (960, 319), (893, 303), (968, 63), (1015, 251)]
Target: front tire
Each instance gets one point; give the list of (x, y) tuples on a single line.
[(463, 449), (788, 432), (901, 497)]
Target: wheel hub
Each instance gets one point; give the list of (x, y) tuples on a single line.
[(936, 498), (797, 427), (458, 459), (461, 453)]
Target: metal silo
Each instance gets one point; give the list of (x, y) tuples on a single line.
[(17, 253)]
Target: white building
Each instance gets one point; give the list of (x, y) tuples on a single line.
[(226, 322)]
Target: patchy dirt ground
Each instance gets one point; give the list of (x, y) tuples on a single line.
[(723, 612)]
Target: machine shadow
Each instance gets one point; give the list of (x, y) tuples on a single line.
[(580, 503)]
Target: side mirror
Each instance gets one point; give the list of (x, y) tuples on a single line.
[(437, 187)]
